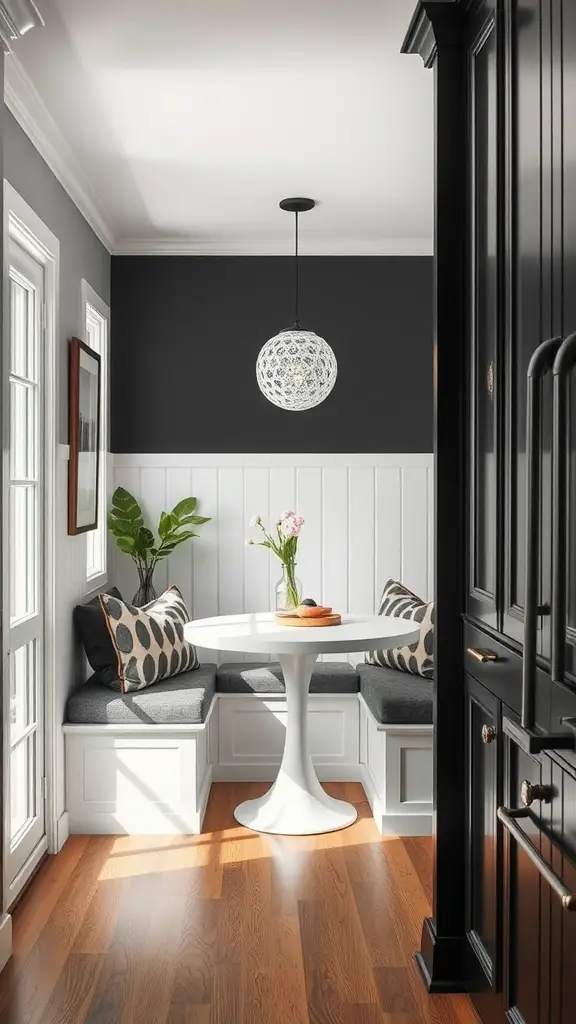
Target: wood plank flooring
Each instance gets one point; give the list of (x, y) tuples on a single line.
[(229, 927)]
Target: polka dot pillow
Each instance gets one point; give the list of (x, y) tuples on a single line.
[(418, 658), (149, 641)]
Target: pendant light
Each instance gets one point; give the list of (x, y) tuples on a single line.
[(296, 369)]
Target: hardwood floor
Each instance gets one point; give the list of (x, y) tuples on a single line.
[(228, 927)]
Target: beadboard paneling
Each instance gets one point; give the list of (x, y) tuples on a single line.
[(368, 517)]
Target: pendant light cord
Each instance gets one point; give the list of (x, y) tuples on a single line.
[(296, 317)]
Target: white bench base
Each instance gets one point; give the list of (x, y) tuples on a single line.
[(155, 779), (397, 762), (138, 779)]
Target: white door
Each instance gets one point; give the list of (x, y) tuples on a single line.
[(23, 577)]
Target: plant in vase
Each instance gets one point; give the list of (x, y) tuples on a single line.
[(134, 538), (285, 546)]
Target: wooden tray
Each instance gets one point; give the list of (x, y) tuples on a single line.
[(319, 620)]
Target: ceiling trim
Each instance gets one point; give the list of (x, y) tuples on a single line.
[(27, 106), (280, 247)]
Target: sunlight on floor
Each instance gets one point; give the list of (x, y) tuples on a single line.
[(131, 856)]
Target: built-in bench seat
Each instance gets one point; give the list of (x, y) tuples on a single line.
[(266, 677), (396, 698), (183, 700), (143, 762)]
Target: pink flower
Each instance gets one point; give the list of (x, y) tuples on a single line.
[(291, 526), (286, 515)]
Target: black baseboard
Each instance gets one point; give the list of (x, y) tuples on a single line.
[(440, 960)]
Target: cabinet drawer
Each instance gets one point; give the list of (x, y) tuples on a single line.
[(501, 676)]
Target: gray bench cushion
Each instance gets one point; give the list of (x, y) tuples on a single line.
[(184, 699), (266, 677), (396, 697)]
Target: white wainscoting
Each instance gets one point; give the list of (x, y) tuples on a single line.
[(368, 517)]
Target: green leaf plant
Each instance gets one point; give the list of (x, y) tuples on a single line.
[(134, 538)]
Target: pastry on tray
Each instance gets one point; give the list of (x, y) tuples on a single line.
[(308, 613), (308, 609)]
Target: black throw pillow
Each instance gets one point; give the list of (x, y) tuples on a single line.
[(90, 623)]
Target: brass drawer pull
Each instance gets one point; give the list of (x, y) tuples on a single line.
[(508, 818), (489, 734), (481, 654)]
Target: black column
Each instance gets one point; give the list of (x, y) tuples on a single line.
[(436, 33)]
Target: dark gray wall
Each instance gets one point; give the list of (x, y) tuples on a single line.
[(81, 253), (186, 332)]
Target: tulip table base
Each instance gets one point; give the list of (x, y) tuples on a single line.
[(296, 804)]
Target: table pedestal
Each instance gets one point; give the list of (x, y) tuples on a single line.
[(296, 804)]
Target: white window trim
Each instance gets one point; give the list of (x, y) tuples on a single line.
[(89, 297), (22, 224)]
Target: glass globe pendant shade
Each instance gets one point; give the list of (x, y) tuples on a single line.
[(296, 370)]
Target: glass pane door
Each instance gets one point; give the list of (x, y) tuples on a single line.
[(23, 566)]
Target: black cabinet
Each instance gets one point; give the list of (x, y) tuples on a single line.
[(484, 867), (563, 46), (505, 251)]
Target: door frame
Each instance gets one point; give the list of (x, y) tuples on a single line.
[(24, 226)]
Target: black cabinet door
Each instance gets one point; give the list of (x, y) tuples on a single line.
[(484, 879), (483, 306), (567, 44), (527, 903), (563, 925), (527, 143), (564, 185)]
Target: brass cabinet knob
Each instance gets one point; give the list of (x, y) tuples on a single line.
[(531, 791), (482, 654), (488, 734)]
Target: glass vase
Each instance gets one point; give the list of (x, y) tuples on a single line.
[(288, 589), (145, 592)]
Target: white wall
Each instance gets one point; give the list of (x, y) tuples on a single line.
[(368, 517)]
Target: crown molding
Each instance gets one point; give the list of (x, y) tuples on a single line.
[(27, 106), (329, 247), (420, 37), (16, 18)]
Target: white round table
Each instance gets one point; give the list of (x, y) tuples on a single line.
[(296, 804)]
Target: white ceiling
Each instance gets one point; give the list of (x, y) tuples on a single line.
[(183, 123)]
